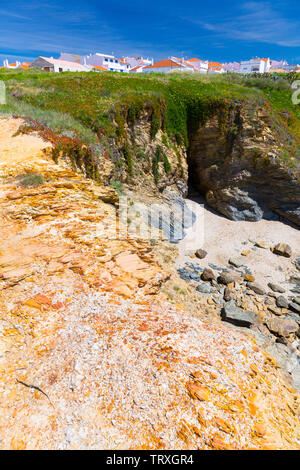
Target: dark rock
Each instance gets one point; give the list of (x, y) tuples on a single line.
[(297, 263), (276, 287), (226, 278), (297, 300), (207, 275), (295, 307), (200, 253), (238, 316), (229, 294), (282, 302), (256, 288), (234, 204), (282, 249), (282, 327)]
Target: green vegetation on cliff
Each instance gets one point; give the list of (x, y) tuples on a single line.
[(72, 109)]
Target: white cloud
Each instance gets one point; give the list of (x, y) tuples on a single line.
[(258, 22)]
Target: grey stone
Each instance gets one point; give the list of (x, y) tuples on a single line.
[(234, 204), (226, 278), (257, 288), (236, 261), (237, 315), (204, 288), (282, 302), (297, 300), (276, 287), (295, 307)]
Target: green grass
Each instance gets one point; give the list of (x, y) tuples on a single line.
[(93, 108)]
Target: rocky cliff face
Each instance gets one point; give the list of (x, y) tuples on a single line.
[(91, 354), (243, 159), (237, 160)]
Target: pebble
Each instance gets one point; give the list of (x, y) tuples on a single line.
[(236, 261), (282, 302), (276, 287), (257, 288)]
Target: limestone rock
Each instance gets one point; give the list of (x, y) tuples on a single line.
[(236, 261), (282, 327), (282, 249), (257, 288)]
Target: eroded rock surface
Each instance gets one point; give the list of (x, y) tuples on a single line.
[(91, 353)]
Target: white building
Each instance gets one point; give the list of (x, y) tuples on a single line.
[(137, 61), (16, 65), (56, 65), (200, 66), (255, 66), (104, 60)]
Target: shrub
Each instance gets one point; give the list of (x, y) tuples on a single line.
[(30, 179)]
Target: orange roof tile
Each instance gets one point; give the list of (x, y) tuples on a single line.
[(164, 63), (214, 64), (98, 67)]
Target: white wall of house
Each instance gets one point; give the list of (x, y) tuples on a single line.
[(255, 65), (10, 66), (55, 65), (104, 60)]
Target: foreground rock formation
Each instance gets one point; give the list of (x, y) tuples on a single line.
[(92, 355)]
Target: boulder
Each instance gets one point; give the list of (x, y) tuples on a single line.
[(257, 288), (200, 253), (204, 288), (295, 307), (282, 327), (229, 294), (276, 287), (282, 302), (207, 275), (282, 249), (226, 278), (235, 204), (238, 316), (236, 261)]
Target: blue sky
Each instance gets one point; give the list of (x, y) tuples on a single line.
[(221, 30)]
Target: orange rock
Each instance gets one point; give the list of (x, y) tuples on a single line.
[(198, 391), (218, 443), (260, 429), (224, 425)]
